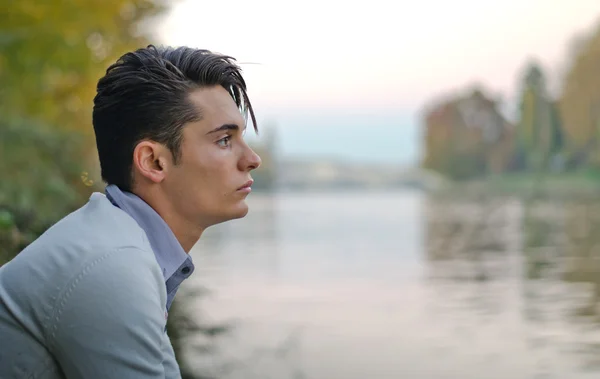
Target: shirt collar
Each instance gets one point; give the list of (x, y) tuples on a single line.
[(167, 250)]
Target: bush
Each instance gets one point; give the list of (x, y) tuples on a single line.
[(40, 170)]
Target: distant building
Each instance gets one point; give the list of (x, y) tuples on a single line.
[(467, 137)]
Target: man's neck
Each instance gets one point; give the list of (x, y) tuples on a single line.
[(185, 231)]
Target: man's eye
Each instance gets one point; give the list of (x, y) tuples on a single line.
[(224, 142)]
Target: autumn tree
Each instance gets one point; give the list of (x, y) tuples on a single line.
[(52, 54), (580, 102)]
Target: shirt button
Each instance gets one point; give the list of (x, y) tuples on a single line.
[(185, 270)]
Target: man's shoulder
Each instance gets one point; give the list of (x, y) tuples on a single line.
[(96, 223), (96, 237), (92, 230)]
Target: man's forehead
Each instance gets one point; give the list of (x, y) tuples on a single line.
[(216, 104)]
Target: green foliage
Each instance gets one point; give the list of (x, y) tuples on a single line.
[(54, 51), (51, 55), (42, 168), (538, 130), (463, 166)]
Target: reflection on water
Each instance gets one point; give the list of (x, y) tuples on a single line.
[(392, 285)]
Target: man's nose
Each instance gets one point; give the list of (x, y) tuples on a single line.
[(251, 160)]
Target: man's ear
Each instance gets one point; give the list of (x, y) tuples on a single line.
[(161, 163), (149, 162)]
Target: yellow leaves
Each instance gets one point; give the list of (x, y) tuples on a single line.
[(86, 180), (580, 101), (53, 52)]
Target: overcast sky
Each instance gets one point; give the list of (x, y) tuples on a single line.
[(347, 79)]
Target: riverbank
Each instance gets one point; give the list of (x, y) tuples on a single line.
[(561, 185)]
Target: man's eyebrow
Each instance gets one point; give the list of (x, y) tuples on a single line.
[(225, 127)]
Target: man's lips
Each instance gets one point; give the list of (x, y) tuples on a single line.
[(246, 185)]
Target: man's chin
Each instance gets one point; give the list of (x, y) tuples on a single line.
[(239, 211), (234, 213)]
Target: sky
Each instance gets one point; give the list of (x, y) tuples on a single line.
[(348, 80)]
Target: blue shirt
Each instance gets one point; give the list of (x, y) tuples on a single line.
[(175, 263), (88, 298)]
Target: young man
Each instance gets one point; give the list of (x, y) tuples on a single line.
[(90, 297)]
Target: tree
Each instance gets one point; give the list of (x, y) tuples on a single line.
[(580, 102), (54, 51), (42, 183), (538, 130), (51, 55)]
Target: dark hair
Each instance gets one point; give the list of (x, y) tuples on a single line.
[(144, 95)]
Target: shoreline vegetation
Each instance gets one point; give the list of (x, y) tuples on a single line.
[(580, 184), (551, 143)]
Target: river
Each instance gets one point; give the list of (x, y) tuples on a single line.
[(401, 285)]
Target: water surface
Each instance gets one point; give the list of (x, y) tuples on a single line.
[(403, 285)]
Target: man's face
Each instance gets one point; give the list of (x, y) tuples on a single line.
[(207, 186)]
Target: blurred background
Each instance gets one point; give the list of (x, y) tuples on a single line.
[(429, 200)]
